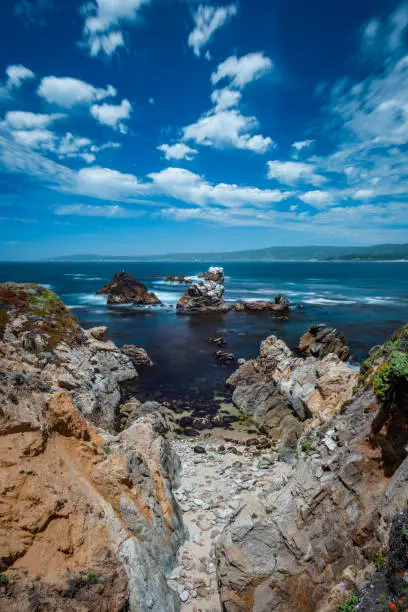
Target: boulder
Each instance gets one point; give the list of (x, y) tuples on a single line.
[(217, 341), (280, 307), (205, 296), (138, 356), (125, 289), (214, 273), (320, 340)]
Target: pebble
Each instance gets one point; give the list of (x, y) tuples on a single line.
[(184, 595)]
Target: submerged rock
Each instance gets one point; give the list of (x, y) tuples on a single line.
[(125, 289), (206, 296), (320, 340)]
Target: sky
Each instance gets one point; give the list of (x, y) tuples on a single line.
[(132, 127)]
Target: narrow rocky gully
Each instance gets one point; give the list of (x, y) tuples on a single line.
[(217, 478)]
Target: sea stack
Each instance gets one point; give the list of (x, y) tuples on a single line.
[(125, 289)]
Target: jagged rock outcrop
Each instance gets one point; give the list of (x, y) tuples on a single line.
[(138, 356), (308, 545), (88, 519), (320, 340), (214, 273), (205, 296), (279, 389), (125, 289), (42, 338)]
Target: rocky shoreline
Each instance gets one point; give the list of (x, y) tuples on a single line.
[(300, 504)]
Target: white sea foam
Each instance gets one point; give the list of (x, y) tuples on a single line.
[(46, 285), (169, 297), (91, 298)]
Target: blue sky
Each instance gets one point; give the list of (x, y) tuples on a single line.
[(152, 126)]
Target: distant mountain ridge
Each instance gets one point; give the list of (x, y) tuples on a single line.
[(379, 252)]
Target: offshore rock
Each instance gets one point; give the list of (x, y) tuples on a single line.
[(214, 273), (206, 296), (280, 306), (320, 340), (124, 289), (178, 279)]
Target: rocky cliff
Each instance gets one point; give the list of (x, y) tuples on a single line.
[(340, 519), (88, 517)]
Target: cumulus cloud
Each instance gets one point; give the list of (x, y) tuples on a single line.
[(26, 121), (225, 98), (86, 210), (207, 20), (184, 185), (35, 138), (103, 22), (317, 198), (112, 114), (177, 151), (227, 129), (68, 92), (290, 172), (108, 184), (243, 70), (300, 145), (16, 74)]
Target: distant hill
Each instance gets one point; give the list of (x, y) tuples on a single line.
[(379, 252)]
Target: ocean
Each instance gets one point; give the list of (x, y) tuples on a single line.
[(368, 301)]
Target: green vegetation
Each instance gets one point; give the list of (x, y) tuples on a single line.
[(106, 449), (380, 560), (387, 366), (92, 578), (305, 445), (405, 532), (3, 578), (350, 604)]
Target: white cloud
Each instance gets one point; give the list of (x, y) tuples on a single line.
[(103, 21), (227, 129), (106, 43), (35, 138), (302, 144), (317, 198), (25, 120), (364, 194), (112, 114), (243, 70), (87, 210), (207, 20), (290, 172), (177, 151), (184, 185), (67, 92), (225, 98), (16, 74), (107, 184)]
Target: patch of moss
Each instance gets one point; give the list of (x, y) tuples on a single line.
[(3, 578)]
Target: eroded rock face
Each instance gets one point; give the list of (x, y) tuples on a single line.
[(320, 340), (124, 289), (206, 296), (313, 389), (42, 339), (214, 273), (88, 520), (309, 544)]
